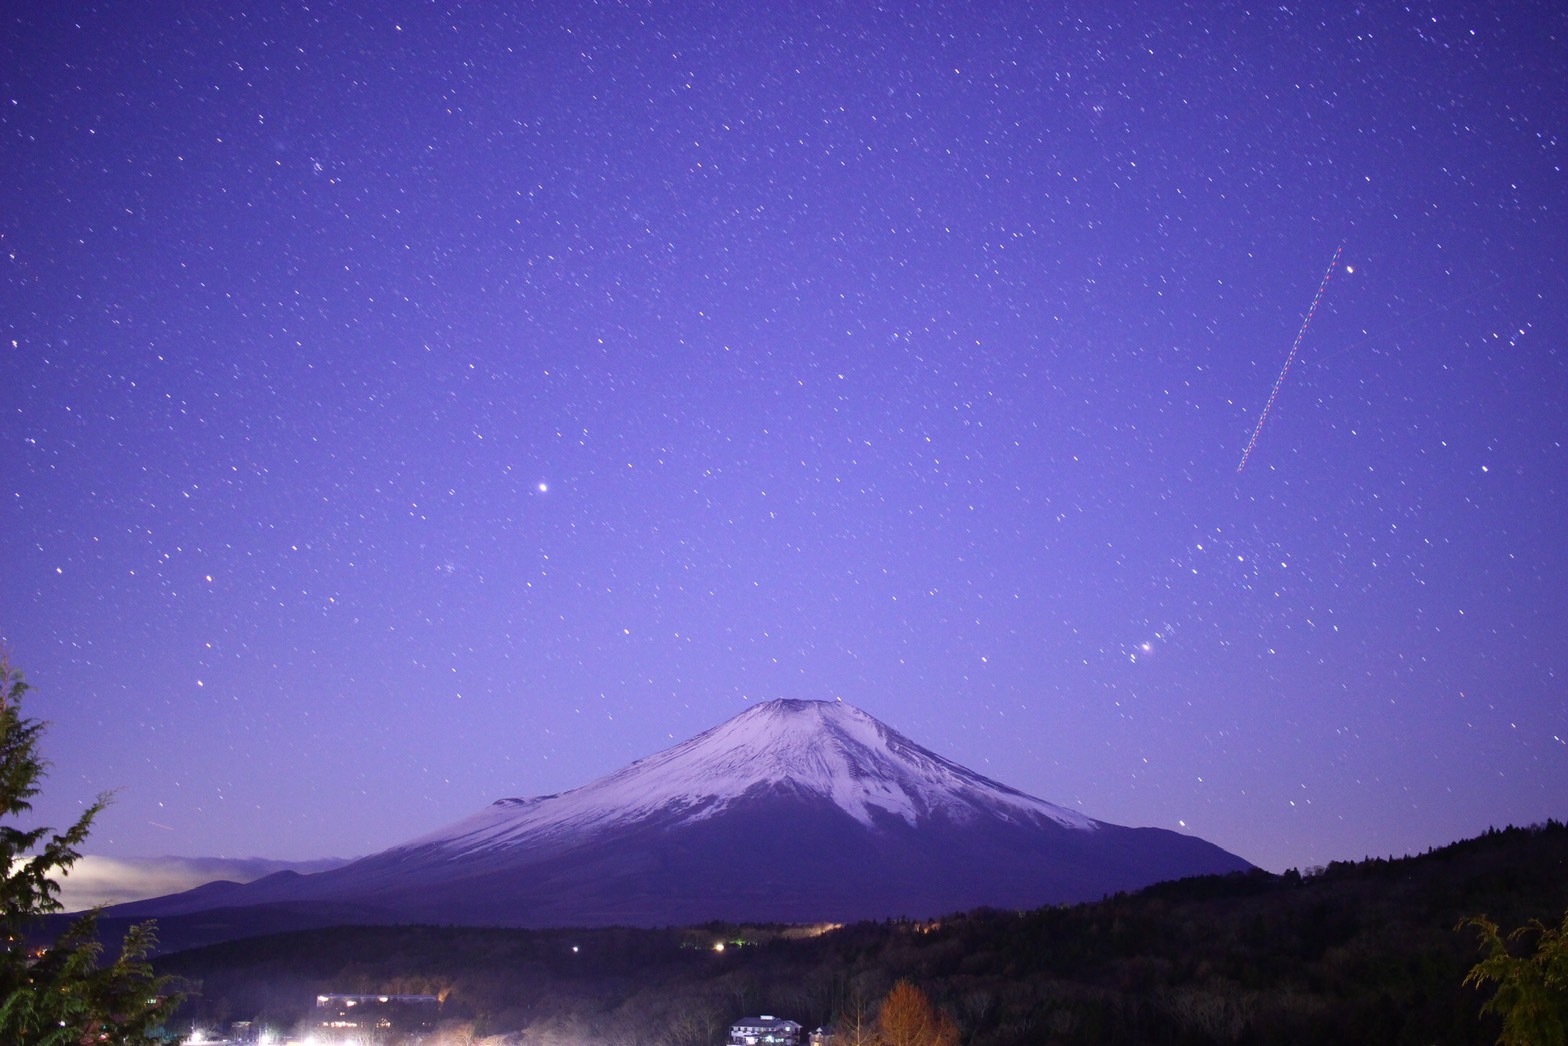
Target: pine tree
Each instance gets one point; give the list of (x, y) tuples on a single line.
[(60, 995), (1532, 988)]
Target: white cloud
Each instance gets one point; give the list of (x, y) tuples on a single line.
[(115, 880)]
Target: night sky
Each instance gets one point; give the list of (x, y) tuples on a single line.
[(409, 405)]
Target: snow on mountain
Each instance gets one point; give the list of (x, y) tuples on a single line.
[(824, 749), (792, 811)]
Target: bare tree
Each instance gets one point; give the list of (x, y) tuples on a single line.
[(456, 1033), (856, 1023), (907, 1018), (698, 1024)]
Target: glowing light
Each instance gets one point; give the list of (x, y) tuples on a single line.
[(1283, 371)]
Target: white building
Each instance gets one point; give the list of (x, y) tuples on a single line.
[(764, 1031)]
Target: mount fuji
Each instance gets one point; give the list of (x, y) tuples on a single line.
[(792, 811)]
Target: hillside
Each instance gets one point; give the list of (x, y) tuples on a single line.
[(1356, 952)]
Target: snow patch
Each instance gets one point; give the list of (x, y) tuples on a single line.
[(822, 748)]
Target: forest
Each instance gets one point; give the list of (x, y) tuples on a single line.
[(1370, 951)]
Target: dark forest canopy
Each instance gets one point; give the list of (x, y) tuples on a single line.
[(1357, 952)]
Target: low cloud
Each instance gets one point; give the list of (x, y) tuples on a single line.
[(114, 880)]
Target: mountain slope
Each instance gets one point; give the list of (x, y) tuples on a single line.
[(1358, 953), (793, 811), (818, 749)]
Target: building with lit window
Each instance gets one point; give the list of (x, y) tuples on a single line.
[(764, 1031), (345, 1016)]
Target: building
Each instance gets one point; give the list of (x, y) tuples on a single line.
[(764, 1031), (346, 1015)]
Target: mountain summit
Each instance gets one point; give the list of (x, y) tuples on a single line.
[(792, 811), (813, 750)]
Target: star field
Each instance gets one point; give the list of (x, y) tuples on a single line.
[(408, 406)]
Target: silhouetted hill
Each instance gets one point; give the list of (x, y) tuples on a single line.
[(1355, 952)]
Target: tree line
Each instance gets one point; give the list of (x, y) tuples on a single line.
[(1369, 951)]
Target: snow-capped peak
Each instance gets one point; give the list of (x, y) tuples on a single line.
[(826, 749)]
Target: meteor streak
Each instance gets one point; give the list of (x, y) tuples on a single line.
[(1294, 348)]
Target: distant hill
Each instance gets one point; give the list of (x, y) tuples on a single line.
[(793, 811), (101, 880), (1363, 952)]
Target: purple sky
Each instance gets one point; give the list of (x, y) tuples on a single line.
[(409, 405)]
